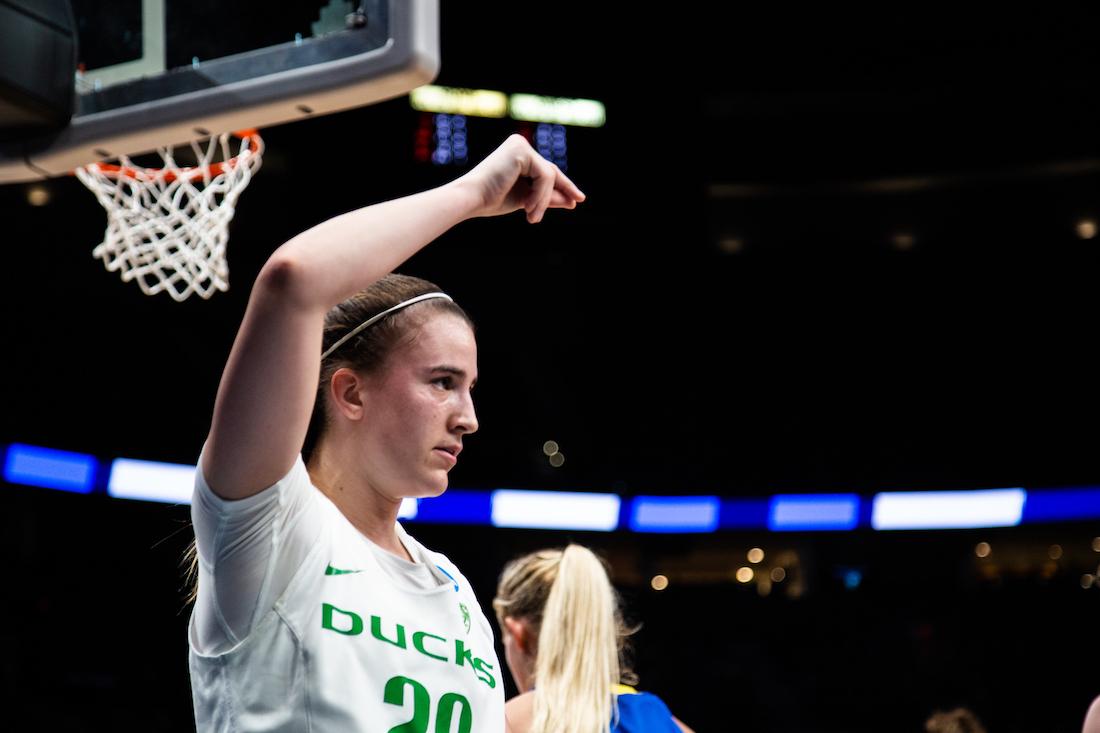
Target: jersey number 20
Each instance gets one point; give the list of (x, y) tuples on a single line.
[(422, 707)]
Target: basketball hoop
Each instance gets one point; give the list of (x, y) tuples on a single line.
[(167, 227)]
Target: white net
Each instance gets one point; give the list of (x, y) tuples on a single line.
[(167, 227)]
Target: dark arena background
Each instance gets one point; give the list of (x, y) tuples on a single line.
[(822, 259)]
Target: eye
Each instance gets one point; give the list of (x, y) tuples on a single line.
[(445, 382)]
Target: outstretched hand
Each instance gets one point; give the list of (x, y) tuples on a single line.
[(514, 177)]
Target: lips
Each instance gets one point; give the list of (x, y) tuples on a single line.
[(450, 451)]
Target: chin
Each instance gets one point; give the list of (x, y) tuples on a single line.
[(432, 489)]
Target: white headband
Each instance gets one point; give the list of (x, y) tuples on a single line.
[(374, 319)]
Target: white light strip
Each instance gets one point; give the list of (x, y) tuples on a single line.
[(174, 482), (948, 509), (555, 510), (408, 509), (151, 481), (557, 110), (470, 102)]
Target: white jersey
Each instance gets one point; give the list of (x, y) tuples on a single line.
[(346, 648)]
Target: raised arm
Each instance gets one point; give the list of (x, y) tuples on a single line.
[(267, 389), (1092, 718)]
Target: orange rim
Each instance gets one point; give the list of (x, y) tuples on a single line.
[(215, 169)]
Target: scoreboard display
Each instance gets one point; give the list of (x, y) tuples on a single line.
[(458, 126)]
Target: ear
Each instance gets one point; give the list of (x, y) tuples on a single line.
[(346, 393), (517, 629)]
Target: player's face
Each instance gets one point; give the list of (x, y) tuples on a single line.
[(419, 408)]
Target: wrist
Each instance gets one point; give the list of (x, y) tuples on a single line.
[(465, 197)]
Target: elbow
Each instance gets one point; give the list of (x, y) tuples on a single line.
[(285, 277)]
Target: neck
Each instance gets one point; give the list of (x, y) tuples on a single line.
[(527, 683), (370, 511), (524, 677)]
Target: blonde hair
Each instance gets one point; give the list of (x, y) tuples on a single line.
[(573, 612)]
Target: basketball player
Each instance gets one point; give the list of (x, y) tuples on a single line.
[(563, 637), (315, 610)]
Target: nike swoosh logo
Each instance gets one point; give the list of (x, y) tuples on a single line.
[(338, 571)]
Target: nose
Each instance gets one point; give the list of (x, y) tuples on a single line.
[(464, 420)]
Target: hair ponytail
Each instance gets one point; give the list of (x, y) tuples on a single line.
[(577, 665)]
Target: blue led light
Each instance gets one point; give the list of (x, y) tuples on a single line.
[(1056, 505), (49, 468), (744, 514), (801, 512), (852, 578), (674, 513), (457, 507), (444, 137), (551, 144), (460, 149), (450, 137), (154, 481)]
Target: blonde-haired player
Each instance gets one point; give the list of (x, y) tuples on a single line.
[(563, 640)]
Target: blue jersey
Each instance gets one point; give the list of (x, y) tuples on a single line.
[(641, 712)]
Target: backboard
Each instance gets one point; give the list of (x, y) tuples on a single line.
[(163, 72)]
